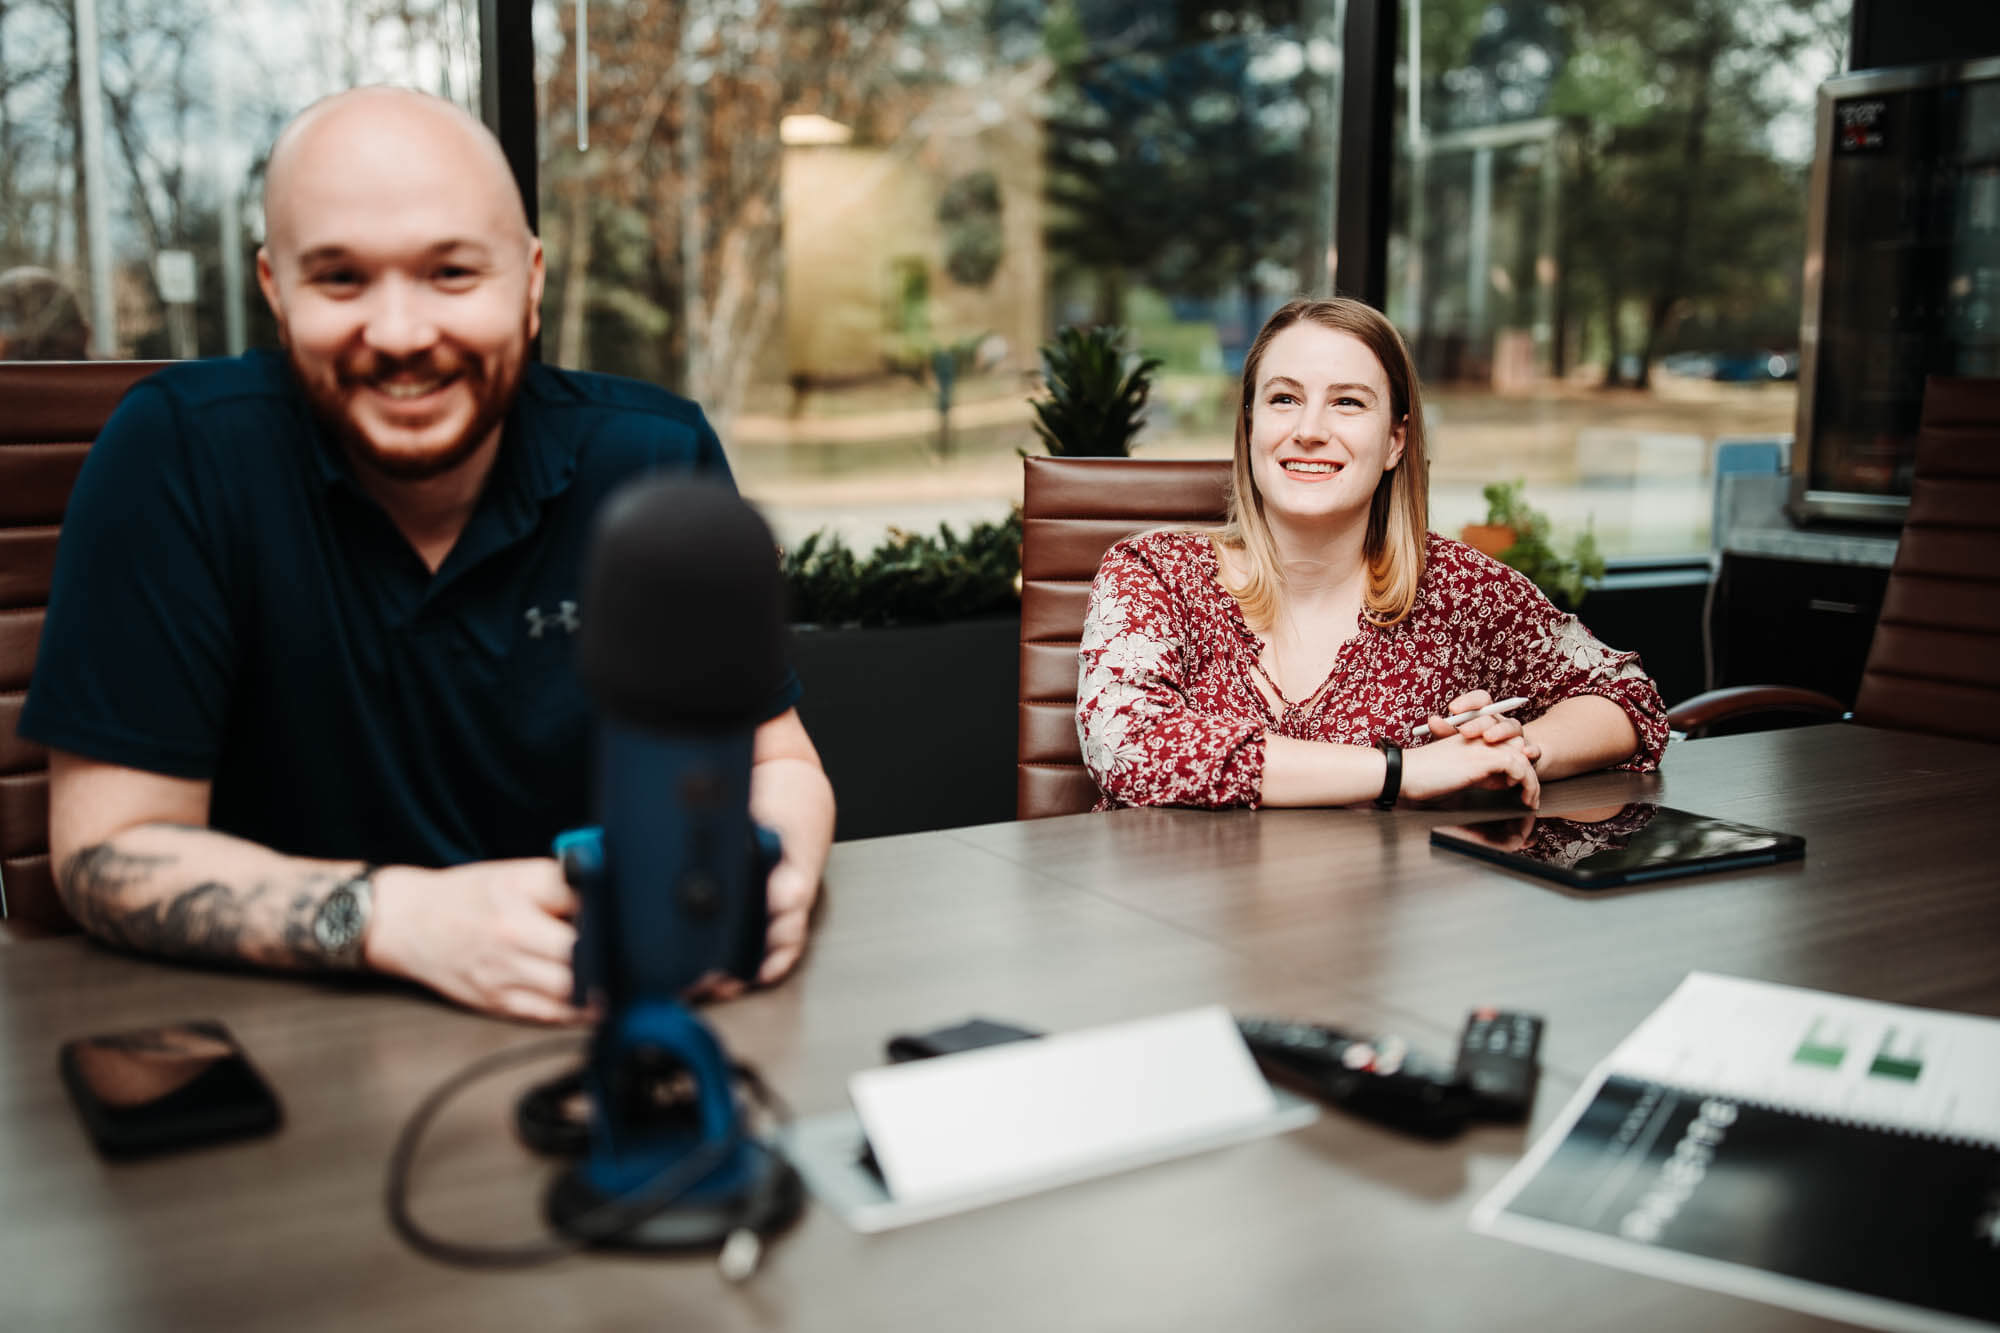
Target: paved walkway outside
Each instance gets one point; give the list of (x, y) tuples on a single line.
[(1636, 466)]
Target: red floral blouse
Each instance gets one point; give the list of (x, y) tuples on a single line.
[(1167, 706)]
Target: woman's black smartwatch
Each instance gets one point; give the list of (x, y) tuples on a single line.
[(1392, 778)]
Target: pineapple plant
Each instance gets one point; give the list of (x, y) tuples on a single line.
[(1096, 393)]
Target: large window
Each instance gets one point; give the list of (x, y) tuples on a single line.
[(1601, 212), (132, 137), (846, 226)]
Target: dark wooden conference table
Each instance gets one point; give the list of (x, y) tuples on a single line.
[(1348, 916)]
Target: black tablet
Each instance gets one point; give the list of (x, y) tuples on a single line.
[(1601, 849)]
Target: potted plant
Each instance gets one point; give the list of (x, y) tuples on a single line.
[(910, 658), (1487, 538), (910, 655), (1096, 391), (1517, 534)]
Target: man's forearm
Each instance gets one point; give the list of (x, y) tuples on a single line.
[(185, 892)]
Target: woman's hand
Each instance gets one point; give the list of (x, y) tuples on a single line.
[(1459, 762), (1493, 729)]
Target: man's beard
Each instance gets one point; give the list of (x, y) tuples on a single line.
[(493, 382)]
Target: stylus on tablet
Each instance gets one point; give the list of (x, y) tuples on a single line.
[(1503, 706)]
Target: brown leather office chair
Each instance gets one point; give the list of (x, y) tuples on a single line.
[(50, 411), (1934, 663), (1072, 510)]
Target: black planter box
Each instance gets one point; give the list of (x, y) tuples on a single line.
[(915, 723), (1662, 623)]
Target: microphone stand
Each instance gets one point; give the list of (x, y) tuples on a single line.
[(671, 1165), (672, 885)]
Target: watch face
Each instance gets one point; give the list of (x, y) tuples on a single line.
[(339, 922)]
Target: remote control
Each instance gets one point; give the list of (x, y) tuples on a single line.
[(1497, 1059), (1381, 1078)]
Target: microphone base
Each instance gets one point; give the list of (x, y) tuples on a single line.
[(767, 1199)]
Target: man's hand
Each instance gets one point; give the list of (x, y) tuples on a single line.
[(493, 935), (789, 795), (792, 890), (789, 895)]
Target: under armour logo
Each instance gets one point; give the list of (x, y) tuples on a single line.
[(564, 618)]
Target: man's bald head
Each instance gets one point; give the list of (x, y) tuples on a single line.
[(389, 131), (406, 284)]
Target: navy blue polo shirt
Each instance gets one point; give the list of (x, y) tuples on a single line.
[(230, 605)]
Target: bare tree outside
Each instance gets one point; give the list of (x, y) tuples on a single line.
[(190, 94), (847, 228)]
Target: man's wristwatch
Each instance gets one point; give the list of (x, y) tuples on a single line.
[(341, 924)]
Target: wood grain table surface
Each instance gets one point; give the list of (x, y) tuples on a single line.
[(1344, 915)]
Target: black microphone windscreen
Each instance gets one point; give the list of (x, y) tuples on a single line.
[(683, 627)]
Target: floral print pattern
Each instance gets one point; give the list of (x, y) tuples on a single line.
[(1564, 842), (1167, 707)]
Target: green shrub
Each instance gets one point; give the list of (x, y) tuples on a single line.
[(910, 579)]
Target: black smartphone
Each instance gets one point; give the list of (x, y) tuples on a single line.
[(157, 1089), (970, 1035)]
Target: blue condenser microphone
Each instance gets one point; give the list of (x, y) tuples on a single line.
[(682, 650)]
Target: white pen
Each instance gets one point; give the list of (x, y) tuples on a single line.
[(1504, 706)]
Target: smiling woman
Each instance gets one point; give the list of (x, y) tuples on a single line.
[(1283, 658), (1327, 385)]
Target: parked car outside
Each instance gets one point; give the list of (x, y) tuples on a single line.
[(1755, 365)]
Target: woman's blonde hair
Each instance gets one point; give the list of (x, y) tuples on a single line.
[(1399, 513)]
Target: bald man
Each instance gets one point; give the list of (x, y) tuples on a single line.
[(306, 676)]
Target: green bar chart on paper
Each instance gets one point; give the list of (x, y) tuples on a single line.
[(1825, 1045), (1899, 1057), (1858, 1061)]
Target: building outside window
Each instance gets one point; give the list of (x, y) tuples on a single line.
[(846, 226)]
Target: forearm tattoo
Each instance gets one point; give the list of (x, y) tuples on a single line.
[(104, 885)]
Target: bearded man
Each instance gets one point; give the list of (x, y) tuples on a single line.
[(306, 675)]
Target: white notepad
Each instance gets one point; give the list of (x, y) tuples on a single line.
[(961, 1131), (1816, 1151)]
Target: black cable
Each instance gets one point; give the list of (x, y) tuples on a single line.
[(612, 1219), (411, 1135), (542, 1119)]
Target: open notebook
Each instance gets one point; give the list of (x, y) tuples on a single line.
[(1812, 1150)]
